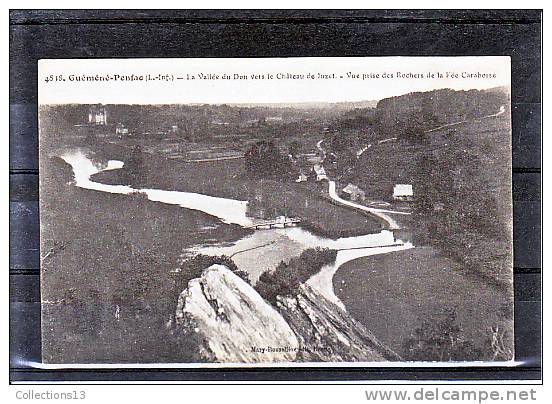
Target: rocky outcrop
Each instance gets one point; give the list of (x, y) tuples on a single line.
[(228, 321), (330, 333), (231, 321)]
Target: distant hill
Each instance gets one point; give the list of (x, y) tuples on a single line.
[(404, 115), (314, 105), (427, 110)]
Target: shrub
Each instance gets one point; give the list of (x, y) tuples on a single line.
[(192, 268), (440, 339), (139, 195), (264, 160)]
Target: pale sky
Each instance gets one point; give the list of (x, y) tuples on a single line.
[(495, 69)]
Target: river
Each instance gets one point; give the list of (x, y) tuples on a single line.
[(254, 253)]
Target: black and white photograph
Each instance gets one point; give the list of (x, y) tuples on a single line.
[(276, 211)]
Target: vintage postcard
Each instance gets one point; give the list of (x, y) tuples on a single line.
[(276, 211)]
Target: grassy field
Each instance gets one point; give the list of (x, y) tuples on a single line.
[(393, 294)]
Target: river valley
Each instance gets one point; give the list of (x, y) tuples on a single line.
[(254, 253)]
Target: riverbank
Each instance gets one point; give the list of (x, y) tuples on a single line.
[(393, 294), (227, 179)]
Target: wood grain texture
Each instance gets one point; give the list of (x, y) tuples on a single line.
[(24, 236), (283, 16)]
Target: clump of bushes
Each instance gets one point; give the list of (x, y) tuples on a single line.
[(286, 278), (192, 268), (440, 339), (140, 195), (264, 160)]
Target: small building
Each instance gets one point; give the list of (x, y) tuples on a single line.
[(121, 129), (354, 192), (331, 159), (320, 172), (361, 151), (403, 192), (97, 115), (438, 206), (302, 177), (173, 130), (314, 159), (273, 119)]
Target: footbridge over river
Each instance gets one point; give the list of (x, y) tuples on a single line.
[(280, 221)]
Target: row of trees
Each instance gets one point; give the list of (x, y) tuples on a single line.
[(284, 280), (287, 277)]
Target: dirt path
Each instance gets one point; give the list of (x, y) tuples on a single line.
[(380, 213), (500, 112)]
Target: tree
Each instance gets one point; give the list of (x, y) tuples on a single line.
[(264, 160), (294, 148), (193, 268), (341, 141), (439, 339), (414, 131), (427, 193), (429, 103), (134, 167)]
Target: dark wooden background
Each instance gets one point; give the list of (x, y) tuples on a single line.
[(261, 33)]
